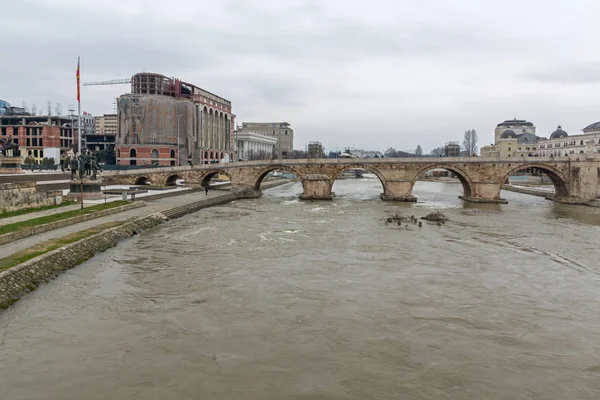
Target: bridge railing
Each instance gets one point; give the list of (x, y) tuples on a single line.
[(349, 161)]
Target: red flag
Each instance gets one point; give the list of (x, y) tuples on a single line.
[(78, 91)]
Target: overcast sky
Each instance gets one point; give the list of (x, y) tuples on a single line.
[(372, 74)]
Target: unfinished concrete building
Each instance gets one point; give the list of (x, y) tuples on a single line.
[(165, 121)]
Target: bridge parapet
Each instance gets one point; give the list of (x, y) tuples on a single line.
[(576, 179)]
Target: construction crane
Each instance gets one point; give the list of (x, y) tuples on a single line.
[(111, 82)]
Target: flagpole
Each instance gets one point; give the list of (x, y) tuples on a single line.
[(78, 109)]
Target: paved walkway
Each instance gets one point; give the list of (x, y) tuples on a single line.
[(150, 208), (38, 214)]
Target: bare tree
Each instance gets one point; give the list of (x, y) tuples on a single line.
[(258, 155), (437, 152), (391, 152), (470, 142), (419, 151), (298, 154)]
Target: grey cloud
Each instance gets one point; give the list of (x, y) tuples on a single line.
[(567, 75), (336, 76)]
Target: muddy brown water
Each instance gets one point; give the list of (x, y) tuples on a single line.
[(280, 299)]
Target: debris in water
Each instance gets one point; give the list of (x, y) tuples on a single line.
[(436, 217)]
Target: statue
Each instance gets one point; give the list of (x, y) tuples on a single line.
[(9, 148), (88, 163), (81, 166), (73, 163), (95, 167)]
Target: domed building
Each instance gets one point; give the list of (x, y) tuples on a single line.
[(513, 138), (558, 133), (512, 128), (592, 128), (561, 144), (508, 134)]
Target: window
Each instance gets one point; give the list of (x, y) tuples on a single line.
[(581, 144)]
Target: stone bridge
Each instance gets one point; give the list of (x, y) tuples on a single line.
[(576, 180)]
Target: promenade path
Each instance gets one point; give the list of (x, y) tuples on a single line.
[(152, 206)]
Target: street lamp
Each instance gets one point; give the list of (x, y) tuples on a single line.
[(178, 158)]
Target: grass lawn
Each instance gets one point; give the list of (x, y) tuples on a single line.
[(45, 247), (9, 214), (58, 217)]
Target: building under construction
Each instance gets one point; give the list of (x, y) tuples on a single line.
[(165, 121), (314, 150)]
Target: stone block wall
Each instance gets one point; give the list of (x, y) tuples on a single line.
[(18, 196)]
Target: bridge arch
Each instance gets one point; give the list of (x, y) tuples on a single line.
[(172, 179), (206, 178), (264, 172), (142, 180), (560, 182), (463, 177), (366, 167)]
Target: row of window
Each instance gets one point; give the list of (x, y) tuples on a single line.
[(566, 144)]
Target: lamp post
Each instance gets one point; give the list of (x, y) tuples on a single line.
[(178, 158)]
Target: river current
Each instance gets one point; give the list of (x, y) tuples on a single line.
[(275, 298)]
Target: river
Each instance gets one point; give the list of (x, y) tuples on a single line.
[(275, 298)]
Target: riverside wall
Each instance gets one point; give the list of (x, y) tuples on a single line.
[(18, 196), (26, 277)]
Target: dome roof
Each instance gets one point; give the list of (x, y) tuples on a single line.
[(515, 122), (558, 133), (507, 134), (592, 127)]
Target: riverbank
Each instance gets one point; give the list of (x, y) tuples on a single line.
[(527, 190), (23, 278)]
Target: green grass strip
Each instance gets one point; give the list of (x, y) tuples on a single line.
[(9, 214), (53, 244), (8, 228)]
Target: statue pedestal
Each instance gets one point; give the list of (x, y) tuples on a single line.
[(92, 189), (10, 165)]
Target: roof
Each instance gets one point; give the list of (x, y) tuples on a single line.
[(513, 122), (593, 127), (558, 133), (508, 134)]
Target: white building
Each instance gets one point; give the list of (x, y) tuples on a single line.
[(512, 138), (254, 145), (561, 144), (367, 153), (282, 131)]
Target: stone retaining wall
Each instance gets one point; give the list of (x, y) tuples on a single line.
[(34, 230), (18, 196), (531, 192), (24, 278)]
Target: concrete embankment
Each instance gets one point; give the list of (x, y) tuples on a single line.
[(26, 277), (532, 192)]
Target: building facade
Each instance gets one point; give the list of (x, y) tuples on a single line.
[(452, 149), (314, 150), (282, 131), (103, 134), (165, 121), (254, 146), (513, 138), (561, 144), (40, 136)]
